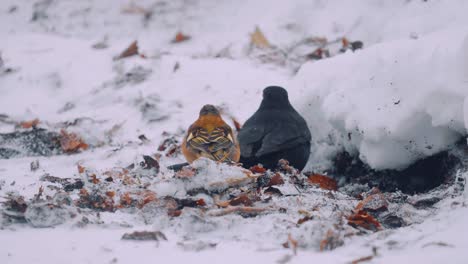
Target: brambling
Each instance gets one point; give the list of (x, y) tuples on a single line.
[(210, 137)]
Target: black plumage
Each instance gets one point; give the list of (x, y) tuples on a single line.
[(275, 131)]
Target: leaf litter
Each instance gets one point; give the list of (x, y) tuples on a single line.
[(206, 196)]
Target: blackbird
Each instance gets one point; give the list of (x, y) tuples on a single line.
[(210, 137), (275, 131)]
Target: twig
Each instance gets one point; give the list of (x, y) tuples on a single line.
[(239, 209)]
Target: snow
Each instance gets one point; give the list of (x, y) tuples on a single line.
[(401, 98)]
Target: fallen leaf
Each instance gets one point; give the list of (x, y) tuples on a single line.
[(259, 40), (186, 172), (344, 43), (258, 169), (374, 202), (241, 199), (272, 190), (304, 219), (201, 202), (364, 220), (81, 169), (129, 51), (94, 179), (323, 182), (126, 200), (147, 197), (363, 259), (70, 142), (29, 124), (180, 37), (174, 213), (150, 163), (275, 180)]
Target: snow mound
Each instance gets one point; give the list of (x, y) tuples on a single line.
[(392, 103)]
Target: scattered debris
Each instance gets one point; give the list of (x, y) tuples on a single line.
[(150, 163), (29, 124), (180, 37), (101, 44), (244, 211), (145, 236), (171, 144), (364, 220), (71, 142), (131, 50), (331, 240), (186, 172), (196, 246), (322, 181), (34, 166), (439, 244), (374, 202), (291, 243), (134, 76), (258, 39), (34, 142), (176, 66), (363, 259), (178, 167)]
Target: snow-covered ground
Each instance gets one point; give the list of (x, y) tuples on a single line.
[(401, 98)]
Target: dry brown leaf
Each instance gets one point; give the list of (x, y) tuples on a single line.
[(180, 37), (275, 180), (259, 40), (237, 209), (201, 202), (345, 43), (81, 169), (364, 220), (323, 182), (186, 172), (241, 199), (147, 197), (131, 50), (70, 142), (174, 213), (257, 169), (304, 219), (373, 202), (29, 124), (126, 200), (94, 179), (363, 259)]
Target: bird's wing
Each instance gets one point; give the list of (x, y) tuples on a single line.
[(269, 134), (215, 145), (250, 137)]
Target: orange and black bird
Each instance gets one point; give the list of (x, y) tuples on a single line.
[(276, 131), (210, 137)]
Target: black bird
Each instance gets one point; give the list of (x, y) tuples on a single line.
[(276, 131)]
